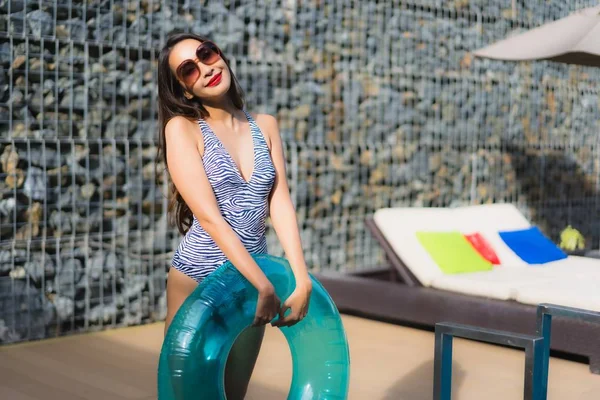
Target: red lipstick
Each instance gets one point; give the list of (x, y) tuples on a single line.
[(215, 80)]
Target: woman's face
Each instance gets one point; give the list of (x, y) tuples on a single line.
[(200, 69)]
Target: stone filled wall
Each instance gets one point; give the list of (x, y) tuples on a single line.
[(380, 104)]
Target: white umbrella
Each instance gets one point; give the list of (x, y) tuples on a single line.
[(574, 39)]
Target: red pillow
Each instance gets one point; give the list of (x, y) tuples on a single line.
[(483, 247)]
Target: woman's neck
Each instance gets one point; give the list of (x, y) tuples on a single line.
[(222, 113)]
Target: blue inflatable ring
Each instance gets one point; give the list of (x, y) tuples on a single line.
[(198, 341)]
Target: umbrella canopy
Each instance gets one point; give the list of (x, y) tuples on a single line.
[(574, 39)]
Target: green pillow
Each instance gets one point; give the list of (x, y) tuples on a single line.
[(452, 252)]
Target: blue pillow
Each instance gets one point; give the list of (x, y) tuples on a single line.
[(532, 246)]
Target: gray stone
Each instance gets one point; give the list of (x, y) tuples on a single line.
[(100, 263), (44, 157), (26, 315), (16, 24), (103, 313), (112, 162), (7, 333), (4, 118), (69, 273), (74, 29), (65, 308), (161, 307), (40, 267), (16, 99), (11, 6), (121, 125), (40, 23), (35, 184), (134, 285), (7, 206), (5, 53), (145, 130), (3, 85), (133, 86), (75, 99)]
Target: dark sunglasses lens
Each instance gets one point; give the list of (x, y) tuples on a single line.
[(208, 53), (189, 73)]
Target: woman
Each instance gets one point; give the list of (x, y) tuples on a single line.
[(228, 172)]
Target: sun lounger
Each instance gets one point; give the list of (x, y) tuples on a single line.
[(572, 281), (504, 297)]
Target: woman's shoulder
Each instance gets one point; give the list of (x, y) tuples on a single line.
[(181, 130), (267, 124), (178, 123), (264, 118)]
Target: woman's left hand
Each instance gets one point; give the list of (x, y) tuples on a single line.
[(298, 302)]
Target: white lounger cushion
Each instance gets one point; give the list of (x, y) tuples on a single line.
[(574, 281), (400, 225), (576, 284)]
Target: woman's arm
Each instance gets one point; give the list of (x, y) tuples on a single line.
[(283, 214), (189, 177)]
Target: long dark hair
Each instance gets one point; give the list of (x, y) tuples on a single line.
[(171, 103)]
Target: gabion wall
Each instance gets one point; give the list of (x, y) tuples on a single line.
[(380, 104)]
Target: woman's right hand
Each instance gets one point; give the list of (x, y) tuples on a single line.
[(267, 307)]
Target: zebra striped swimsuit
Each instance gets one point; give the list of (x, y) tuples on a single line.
[(243, 204)]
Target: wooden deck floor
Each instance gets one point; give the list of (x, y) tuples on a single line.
[(388, 362)]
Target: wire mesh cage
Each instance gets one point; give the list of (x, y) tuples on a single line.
[(379, 103)]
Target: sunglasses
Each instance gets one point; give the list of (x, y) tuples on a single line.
[(189, 71)]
